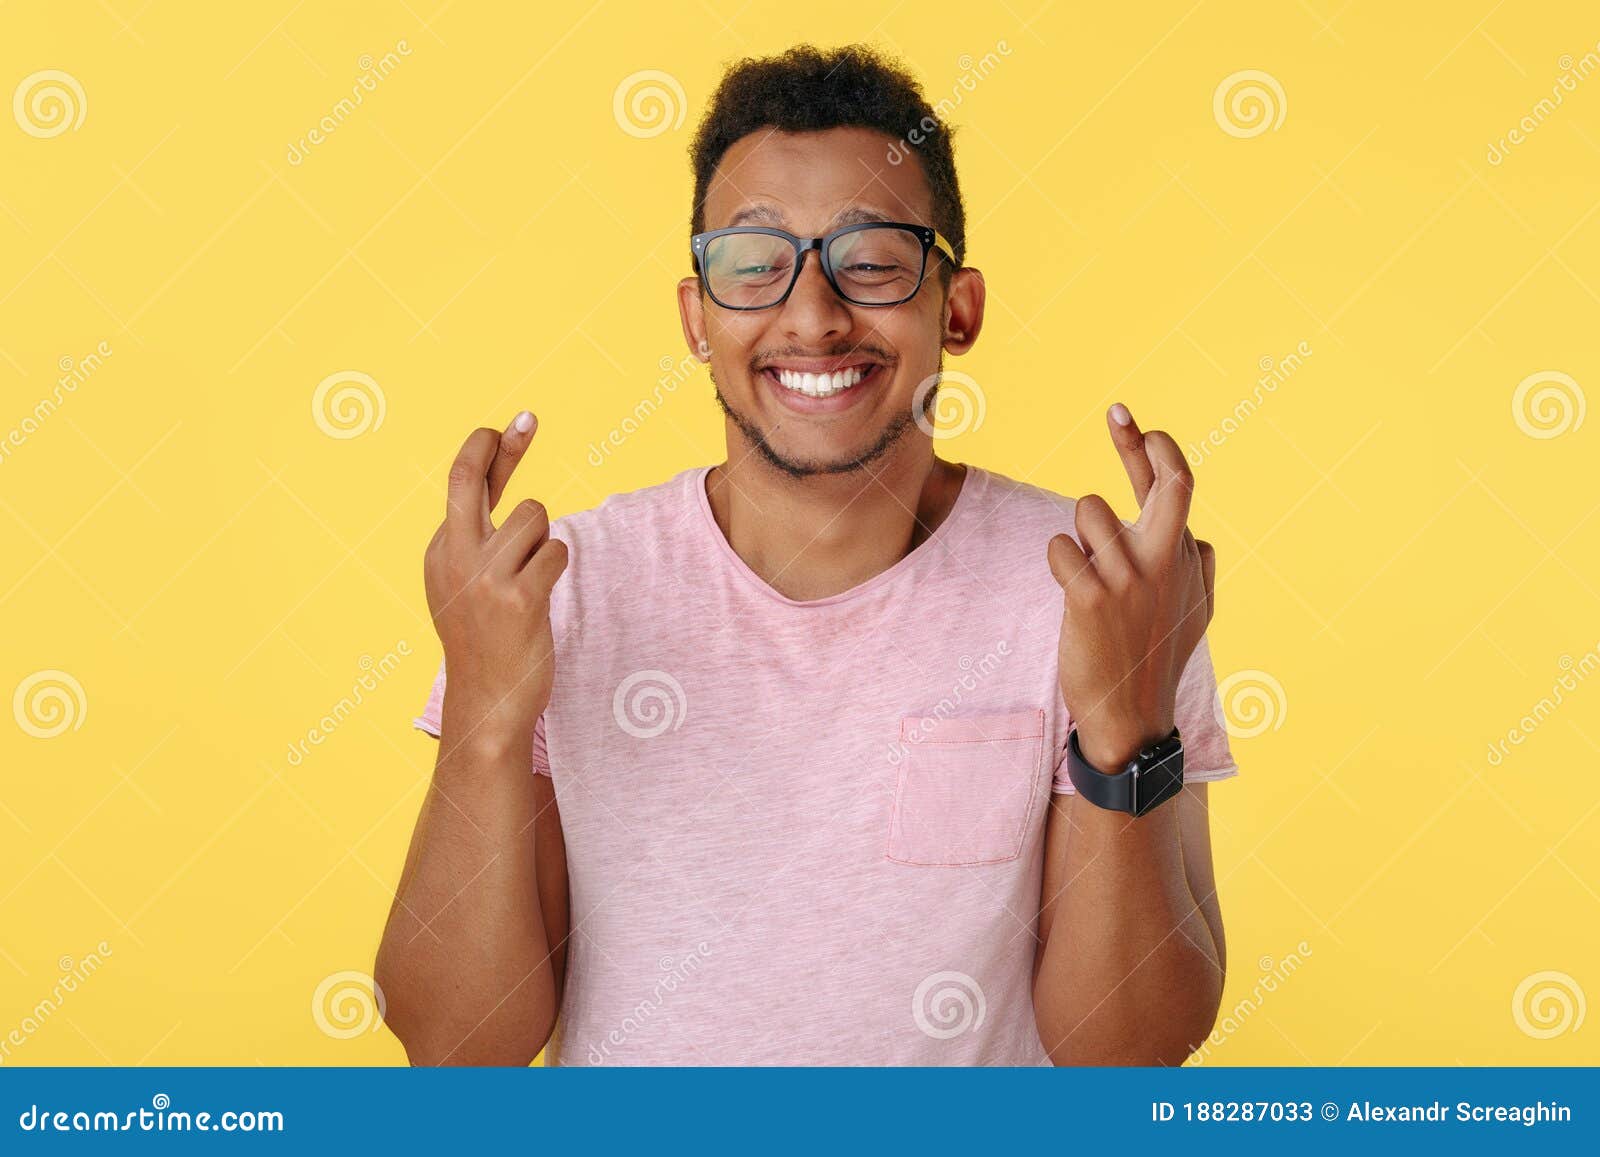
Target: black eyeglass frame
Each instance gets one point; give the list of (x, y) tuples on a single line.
[(931, 240)]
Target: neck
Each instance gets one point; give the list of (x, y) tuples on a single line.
[(819, 536)]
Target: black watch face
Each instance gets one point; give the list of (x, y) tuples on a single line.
[(1159, 782)]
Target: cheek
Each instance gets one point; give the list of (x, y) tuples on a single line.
[(916, 338), (734, 340)]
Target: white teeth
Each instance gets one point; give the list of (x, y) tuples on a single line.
[(821, 385)]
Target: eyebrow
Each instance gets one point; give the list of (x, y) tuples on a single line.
[(768, 215)]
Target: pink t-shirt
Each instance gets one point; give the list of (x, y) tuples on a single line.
[(810, 832)]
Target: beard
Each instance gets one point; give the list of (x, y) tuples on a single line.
[(896, 429)]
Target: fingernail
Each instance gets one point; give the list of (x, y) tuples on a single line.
[(523, 422), (1120, 415)]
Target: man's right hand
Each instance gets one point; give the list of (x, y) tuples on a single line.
[(489, 589)]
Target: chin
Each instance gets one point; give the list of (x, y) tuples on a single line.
[(844, 454)]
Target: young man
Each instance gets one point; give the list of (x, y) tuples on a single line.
[(806, 726)]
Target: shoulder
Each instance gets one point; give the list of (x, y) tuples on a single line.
[(629, 512), (631, 528), (1006, 530), (1006, 507)]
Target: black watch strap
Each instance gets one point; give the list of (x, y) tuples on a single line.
[(1150, 778)]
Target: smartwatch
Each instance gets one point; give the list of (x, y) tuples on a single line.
[(1150, 778)]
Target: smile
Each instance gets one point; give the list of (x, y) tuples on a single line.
[(821, 385)]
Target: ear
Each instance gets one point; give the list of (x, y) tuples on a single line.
[(691, 312), (963, 310)]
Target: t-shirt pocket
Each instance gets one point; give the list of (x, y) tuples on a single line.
[(966, 789)]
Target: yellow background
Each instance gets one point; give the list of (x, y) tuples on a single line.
[(186, 541)]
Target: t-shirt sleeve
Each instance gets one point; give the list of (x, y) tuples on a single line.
[(433, 712), (1206, 755)]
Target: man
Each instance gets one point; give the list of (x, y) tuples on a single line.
[(806, 726)]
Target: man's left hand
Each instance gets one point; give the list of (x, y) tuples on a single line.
[(1137, 600)]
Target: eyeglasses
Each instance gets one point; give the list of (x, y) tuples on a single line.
[(877, 263)]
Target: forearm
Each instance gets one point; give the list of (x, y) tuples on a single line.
[(1129, 973), (465, 965)]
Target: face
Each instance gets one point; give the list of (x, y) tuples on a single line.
[(767, 364)]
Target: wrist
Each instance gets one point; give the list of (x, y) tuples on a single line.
[(1108, 745), (487, 722)]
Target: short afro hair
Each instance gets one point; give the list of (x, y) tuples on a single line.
[(808, 89)]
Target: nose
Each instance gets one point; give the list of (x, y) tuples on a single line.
[(814, 313)]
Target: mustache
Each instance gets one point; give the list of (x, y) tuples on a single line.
[(877, 353)]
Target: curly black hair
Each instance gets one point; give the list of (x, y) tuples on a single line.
[(808, 89)]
